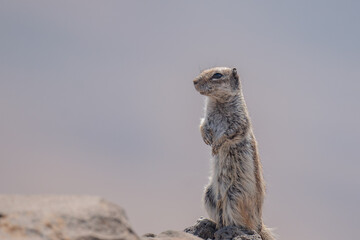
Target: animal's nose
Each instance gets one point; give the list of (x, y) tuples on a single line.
[(196, 82)]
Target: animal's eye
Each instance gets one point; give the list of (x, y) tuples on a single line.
[(216, 76)]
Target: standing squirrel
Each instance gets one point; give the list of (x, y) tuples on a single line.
[(235, 194)]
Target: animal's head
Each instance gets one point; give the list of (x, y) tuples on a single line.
[(218, 82)]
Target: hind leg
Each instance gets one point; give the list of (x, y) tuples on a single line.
[(241, 211)]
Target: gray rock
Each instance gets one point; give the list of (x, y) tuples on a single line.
[(203, 228), (62, 218), (149, 235), (236, 233), (206, 229), (170, 235)]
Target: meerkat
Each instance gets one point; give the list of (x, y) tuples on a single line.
[(236, 190)]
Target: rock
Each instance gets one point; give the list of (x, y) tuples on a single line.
[(62, 218), (90, 218), (206, 229), (170, 235), (148, 235), (203, 228), (236, 233)]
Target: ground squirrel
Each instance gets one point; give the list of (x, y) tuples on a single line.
[(235, 194)]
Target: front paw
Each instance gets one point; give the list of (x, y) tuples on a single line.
[(207, 136), (207, 139), (217, 145)]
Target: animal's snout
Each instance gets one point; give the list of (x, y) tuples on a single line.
[(196, 81)]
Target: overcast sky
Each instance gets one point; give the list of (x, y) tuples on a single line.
[(96, 98)]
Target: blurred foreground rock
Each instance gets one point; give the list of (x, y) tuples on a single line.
[(62, 218), (206, 229)]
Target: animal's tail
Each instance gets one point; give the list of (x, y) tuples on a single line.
[(266, 233)]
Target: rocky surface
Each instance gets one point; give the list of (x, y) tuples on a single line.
[(236, 233), (206, 229), (170, 235), (203, 228), (90, 218), (62, 218)]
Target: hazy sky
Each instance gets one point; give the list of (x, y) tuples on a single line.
[(96, 97)]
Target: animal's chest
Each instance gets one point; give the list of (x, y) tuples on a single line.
[(218, 123)]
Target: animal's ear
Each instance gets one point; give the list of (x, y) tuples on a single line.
[(234, 72), (235, 79)]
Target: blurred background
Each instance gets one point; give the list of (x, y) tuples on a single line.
[(96, 98)]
